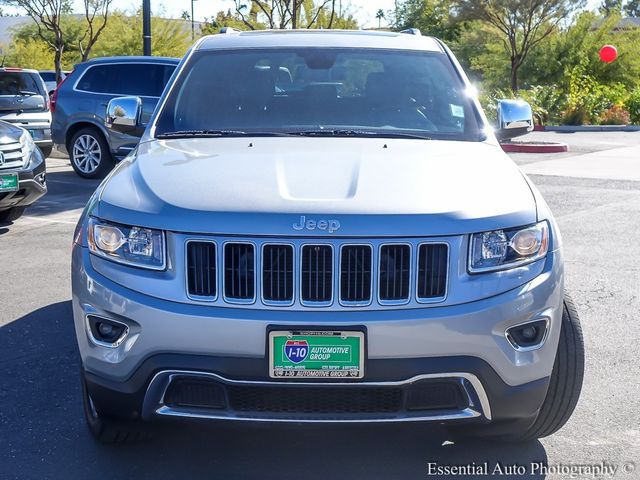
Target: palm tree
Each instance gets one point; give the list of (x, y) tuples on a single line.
[(379, 16)]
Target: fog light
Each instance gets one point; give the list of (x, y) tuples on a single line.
[(529, 333), (528, 336), (107, 333)]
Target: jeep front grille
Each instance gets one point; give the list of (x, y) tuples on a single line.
[(332, 274), (316, 283)]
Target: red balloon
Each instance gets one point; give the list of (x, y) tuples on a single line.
[(608, 53)]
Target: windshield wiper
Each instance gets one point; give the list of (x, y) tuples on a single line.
[(339, 132), (201, 133), (218, 133), (27, 93)]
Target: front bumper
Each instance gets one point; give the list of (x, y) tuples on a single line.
[(464, 342), (32, 186)]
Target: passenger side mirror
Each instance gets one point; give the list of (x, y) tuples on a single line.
[(123, 115), (515, 118)]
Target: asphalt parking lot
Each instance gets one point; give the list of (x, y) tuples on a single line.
[(594, 191)]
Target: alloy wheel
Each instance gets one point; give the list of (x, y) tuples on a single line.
[(87, 154)]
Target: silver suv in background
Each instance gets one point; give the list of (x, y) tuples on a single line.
[(79, 105), (24, 101)]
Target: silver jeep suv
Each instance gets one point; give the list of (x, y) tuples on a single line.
[(320, 226)]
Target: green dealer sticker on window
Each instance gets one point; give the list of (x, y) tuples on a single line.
[(316, 354)]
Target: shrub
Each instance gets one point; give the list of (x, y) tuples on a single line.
[(547, 103), (633, 106), (615, 115)]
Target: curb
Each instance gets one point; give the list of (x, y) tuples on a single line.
[(522, 147), (586, 128)]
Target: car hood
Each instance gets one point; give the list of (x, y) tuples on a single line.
[(263, 186), (9, 133)]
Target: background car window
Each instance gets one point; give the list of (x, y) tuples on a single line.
[(99, 79), (48, 76), (145, 80), (141, 79), (12, 83)]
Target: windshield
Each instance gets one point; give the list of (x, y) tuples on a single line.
[(316, 91), (16, 83)]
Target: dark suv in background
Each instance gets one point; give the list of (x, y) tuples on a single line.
[(80, 101), (24, 102)]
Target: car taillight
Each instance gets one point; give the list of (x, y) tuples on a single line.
[(54, 96)]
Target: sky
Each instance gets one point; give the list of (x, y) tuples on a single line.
[(363, 10)]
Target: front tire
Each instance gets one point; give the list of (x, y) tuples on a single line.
[(566, 379), (107, 429), (89, 153), (46, 151), (562, 396), (11, 215)]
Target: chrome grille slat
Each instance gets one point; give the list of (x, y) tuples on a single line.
[(201, 269), (355, 274), (394, 273), (317, 274), (10, 147), (277, 274), (239, 272), (432, 270)]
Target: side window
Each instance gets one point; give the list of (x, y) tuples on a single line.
[(142, 79), (99, 79)]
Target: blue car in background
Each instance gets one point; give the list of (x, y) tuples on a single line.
[(80, 101)]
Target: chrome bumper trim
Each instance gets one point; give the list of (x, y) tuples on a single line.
[(154, 399)]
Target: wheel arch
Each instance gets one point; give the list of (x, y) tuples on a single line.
[(76, 127)]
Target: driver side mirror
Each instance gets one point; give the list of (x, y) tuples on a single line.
[(515, 118), (123, 115)]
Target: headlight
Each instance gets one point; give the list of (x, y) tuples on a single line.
[(503, 249), (27, 146), (136, 246)]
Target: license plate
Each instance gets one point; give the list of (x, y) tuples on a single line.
[(8, 182), (36, 134), (316, 354)]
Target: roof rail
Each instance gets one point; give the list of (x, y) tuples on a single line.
[(412, 31), (229, 30)]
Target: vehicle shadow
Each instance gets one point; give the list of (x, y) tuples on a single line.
[(43, 435), (66, 192)]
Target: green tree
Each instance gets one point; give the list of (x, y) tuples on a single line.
[(523, 24), (96, 14), (632, 8), (123, 34), (47, 14), (31, 53), (281, 14), (611, 7), (380, 16), (432, 17)]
